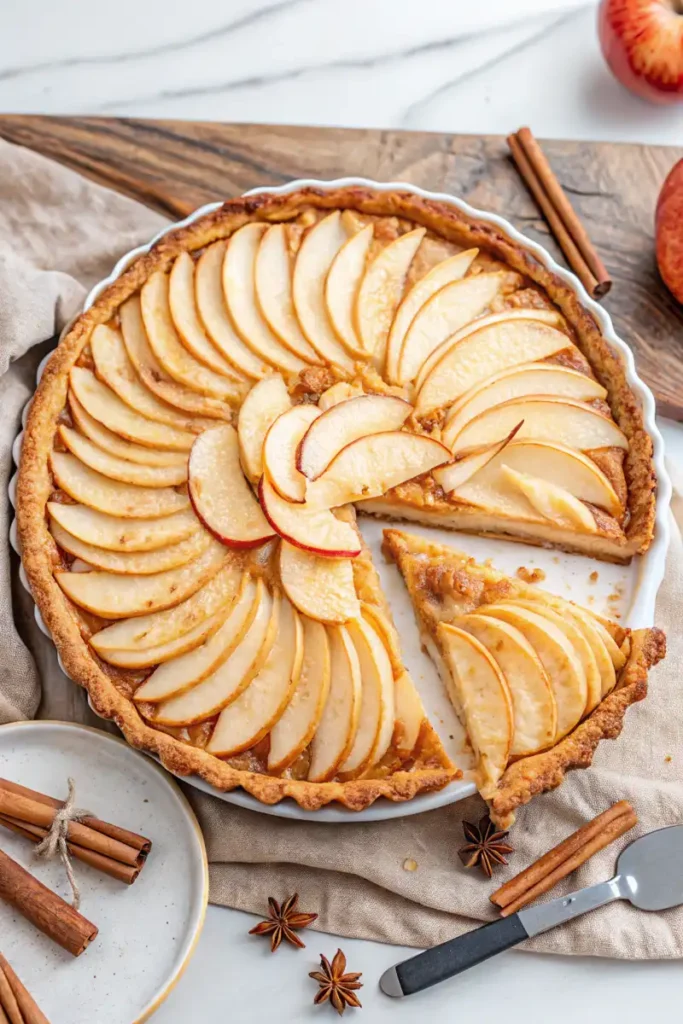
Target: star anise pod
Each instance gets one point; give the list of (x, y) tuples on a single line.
[(337, 986), (282, 922), (485, 846)]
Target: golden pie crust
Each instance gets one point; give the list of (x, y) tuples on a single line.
[(67, 624), (431, 571)]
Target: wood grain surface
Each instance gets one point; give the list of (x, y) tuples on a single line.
[(175, 166)]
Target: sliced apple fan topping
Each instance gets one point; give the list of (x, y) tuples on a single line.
[(218, 425), (522, 669)]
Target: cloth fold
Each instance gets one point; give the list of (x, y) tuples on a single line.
[(60, 233)]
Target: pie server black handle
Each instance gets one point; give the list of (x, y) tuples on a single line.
[(453, 957)]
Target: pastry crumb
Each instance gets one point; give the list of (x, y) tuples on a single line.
[(409, 864), (530, 575), (488, 563), (594, 576), (668, 758)]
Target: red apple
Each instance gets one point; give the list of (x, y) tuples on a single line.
[(642, 41), (669, 231)]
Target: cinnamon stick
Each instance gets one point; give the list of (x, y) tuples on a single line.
[(121, 872), (45, 909), (122, 835), (8, 1001), (558, 198), (559, 213), (13, 805), (564, 858), (27, 1005)]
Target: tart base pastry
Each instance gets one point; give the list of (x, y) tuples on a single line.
[(455, 598), (200, 441)]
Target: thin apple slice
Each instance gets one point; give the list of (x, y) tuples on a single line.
[(140, 563), (280, 450), (120, 469), (117, 534), (114, 367), (251, 716), (457, 473), (491, 488), (519, 382), (297, 724), (183, 672), (336, 732), (373, 464), (214, 314), (116, 597), (317, 531), (154, 376), (89, 488), (181, 297), (481, 696), (240, 296), (452, 269), (577, 638), (319, 247), (341, 287), (479, 353), (533, 703), (552, 501), (381, 291), (322, 588), (115, 445), (273, 285), (107, 408), (170, 351), (560, 661), (561, 420), (265, 402), (172, 649), (567, 468), (376, 721), (160, 628), (614, 650), (338, 392), (446, 312), (345, 422), (550, 317), (219, 492), (209, 697)]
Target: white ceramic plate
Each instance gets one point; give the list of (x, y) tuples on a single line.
[(147, 931), (628, 592)]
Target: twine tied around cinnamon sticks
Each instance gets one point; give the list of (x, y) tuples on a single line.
[(55, 841)]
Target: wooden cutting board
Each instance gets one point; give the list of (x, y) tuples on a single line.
[(175, 166)]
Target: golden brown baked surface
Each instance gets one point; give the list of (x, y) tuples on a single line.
[(526, 284)]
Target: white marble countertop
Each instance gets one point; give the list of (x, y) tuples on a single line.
[(447, 65)]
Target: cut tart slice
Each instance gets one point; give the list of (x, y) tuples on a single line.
[(502, 646)]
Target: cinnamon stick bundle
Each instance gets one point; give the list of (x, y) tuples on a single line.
[(563, 221), (114, 850), (45, 909), (15, 1000), (567, 856)]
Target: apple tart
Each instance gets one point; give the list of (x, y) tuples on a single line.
[(537, 680), (203, 436)]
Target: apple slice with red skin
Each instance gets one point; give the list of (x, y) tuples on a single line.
[(345, 422), (317, 531), (372, 465), (280, 448), (219, 491)]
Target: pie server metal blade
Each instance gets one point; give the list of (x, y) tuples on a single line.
[(649, 875)]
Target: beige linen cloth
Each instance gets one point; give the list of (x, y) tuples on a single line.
[(58, 235)]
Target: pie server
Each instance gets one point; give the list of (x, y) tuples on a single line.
[(649, 875)]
